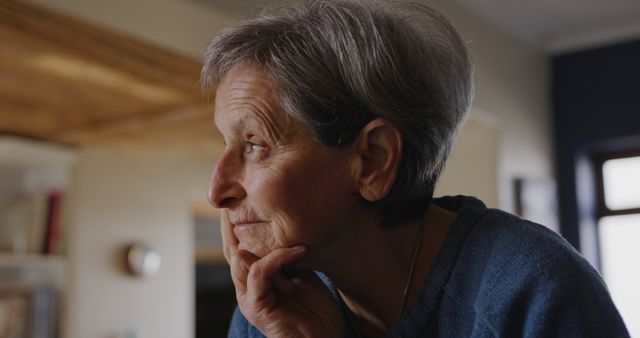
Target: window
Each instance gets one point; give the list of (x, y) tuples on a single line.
[(622, 180), (619, 232)]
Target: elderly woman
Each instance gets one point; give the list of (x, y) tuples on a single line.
[(338, 117)]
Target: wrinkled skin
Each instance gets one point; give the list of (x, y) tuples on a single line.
[(285, 199)]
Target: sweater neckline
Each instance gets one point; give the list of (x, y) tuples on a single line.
[(422, 310)]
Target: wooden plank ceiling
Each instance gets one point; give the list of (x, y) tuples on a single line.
[(66, 81)]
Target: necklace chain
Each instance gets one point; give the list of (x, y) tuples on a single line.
[(405, 292), (412, 267)]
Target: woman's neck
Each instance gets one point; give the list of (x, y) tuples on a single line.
[(372, 270)]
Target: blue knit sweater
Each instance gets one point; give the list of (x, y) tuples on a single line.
[(500, 276)]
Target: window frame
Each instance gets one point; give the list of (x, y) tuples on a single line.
[(601, 207), (601, 210)]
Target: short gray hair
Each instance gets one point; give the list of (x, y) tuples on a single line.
[(342, 63)]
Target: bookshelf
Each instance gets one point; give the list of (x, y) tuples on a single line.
[(32, 269), (34, 177)]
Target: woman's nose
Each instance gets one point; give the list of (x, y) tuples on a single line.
[(225, 187)]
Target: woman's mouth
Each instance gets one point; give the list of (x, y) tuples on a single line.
[(247, 229), (244, 224)]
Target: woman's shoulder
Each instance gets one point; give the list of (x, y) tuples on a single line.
[(515, 246), (511, 270), (492, 237), (508, 247)]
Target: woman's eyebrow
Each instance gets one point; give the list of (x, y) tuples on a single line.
[(267, 125)]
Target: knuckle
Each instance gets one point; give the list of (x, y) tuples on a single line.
[(256, 271)]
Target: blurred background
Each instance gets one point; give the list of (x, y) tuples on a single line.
[(107, 143)]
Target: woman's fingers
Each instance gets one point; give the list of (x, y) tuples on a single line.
[(253, 277), (264, 272), (240, 264)]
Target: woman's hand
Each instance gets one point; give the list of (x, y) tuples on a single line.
[(294, 303)]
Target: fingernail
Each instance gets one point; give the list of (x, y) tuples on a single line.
[(234, 259)]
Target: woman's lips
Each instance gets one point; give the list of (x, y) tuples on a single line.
[(237, 226), (248, 233)]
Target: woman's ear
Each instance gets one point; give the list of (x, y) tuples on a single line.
[(376, 159)]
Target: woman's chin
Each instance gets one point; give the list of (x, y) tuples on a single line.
[(258, 250)]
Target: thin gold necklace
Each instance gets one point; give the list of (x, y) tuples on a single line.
[(405, 292), (412, 268)]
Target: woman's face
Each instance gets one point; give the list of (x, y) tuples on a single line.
[(278, 186)]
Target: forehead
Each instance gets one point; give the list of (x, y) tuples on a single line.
[(244, 81), (247, 95)]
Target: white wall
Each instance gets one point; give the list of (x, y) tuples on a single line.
[(121, 197), (472, 168), (513, 87)]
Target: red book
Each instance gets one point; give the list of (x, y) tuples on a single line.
[(52, 232)]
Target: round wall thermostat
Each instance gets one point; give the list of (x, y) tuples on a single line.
[(142, 260)]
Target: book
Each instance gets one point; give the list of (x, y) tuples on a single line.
[(23, 221), (15, 310), (52, 229), (29, 311)]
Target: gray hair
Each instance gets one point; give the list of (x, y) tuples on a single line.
[(342, 63)]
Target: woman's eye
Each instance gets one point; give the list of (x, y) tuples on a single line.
[(254, 148)]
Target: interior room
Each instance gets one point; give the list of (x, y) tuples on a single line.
[(107, 144)]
